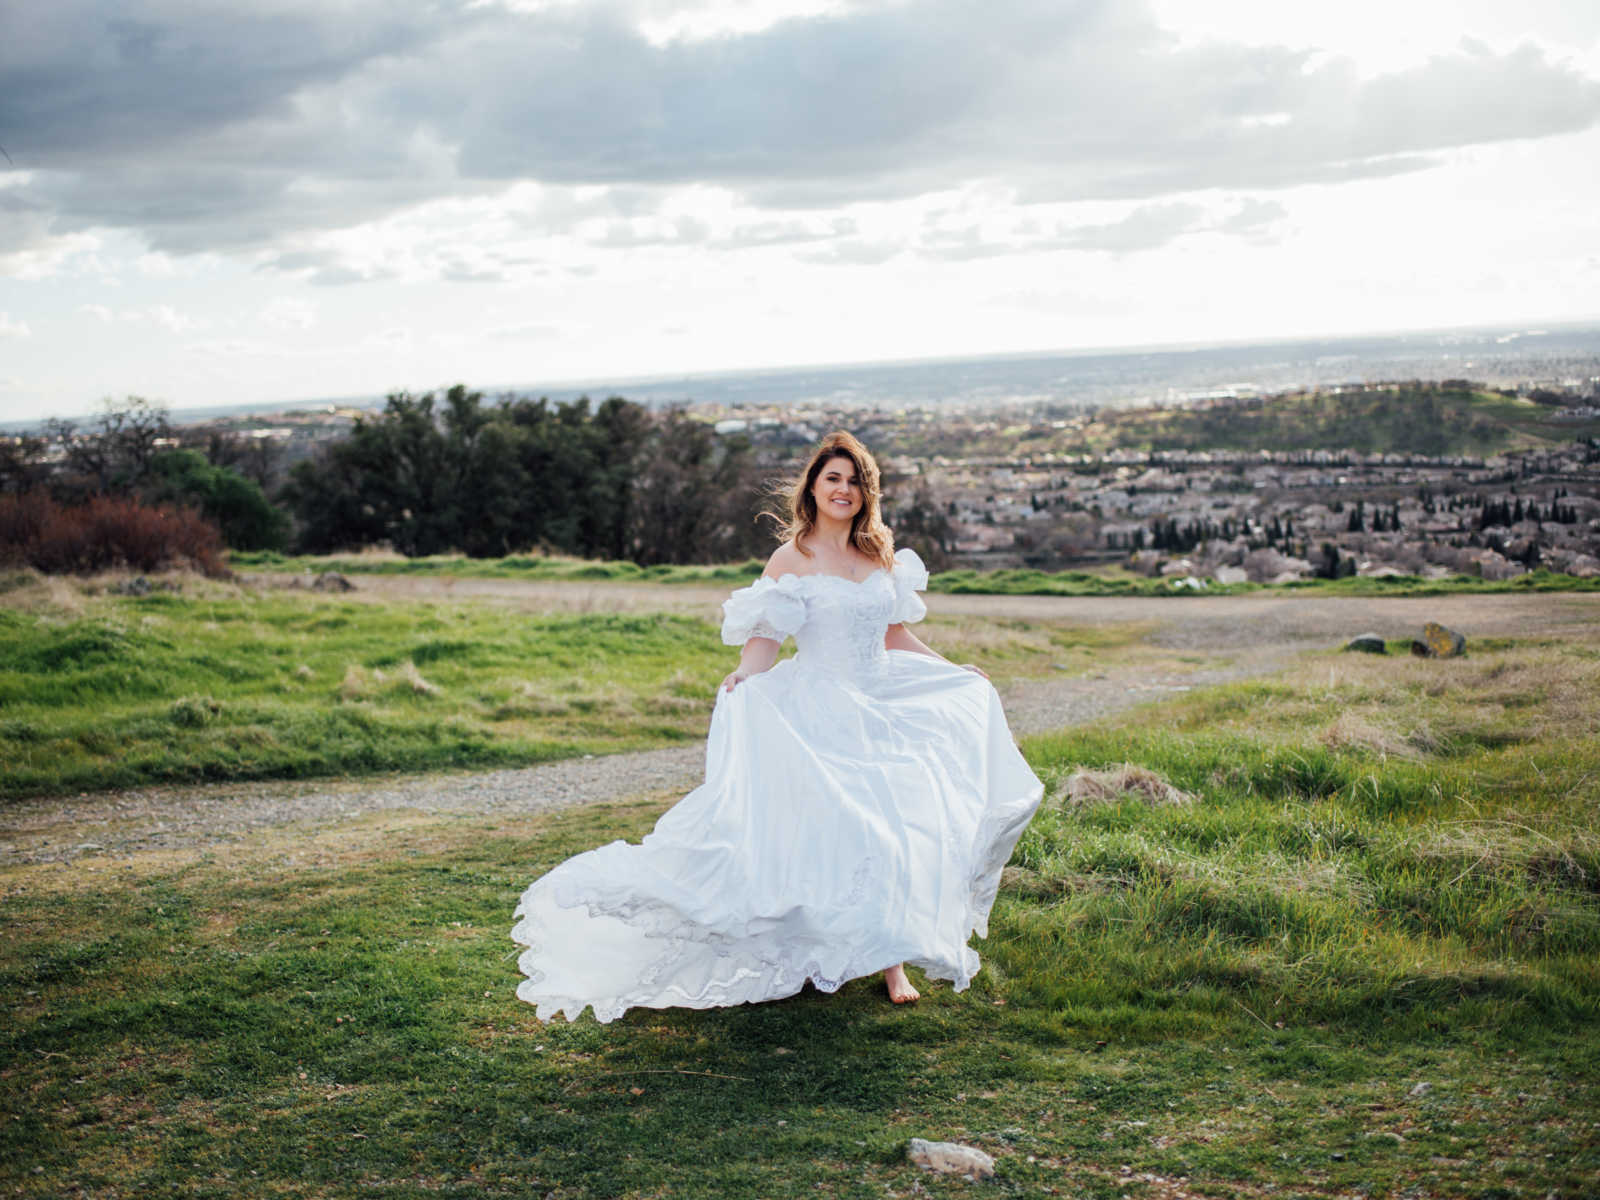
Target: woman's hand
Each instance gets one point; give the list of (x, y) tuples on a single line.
[(758, 656)]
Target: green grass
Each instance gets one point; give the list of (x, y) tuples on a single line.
[(1017, 582), (1386, 876), (242, 685), (516, 566), (215, 682)]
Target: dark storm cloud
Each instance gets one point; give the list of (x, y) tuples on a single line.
[(224, 126), (90, 82)]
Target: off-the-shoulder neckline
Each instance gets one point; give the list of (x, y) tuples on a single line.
[(826, 575), (867, 578)]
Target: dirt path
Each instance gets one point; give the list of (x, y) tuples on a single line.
[(1249, 636)]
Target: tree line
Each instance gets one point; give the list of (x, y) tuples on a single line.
[(615, 480), (430, 474)]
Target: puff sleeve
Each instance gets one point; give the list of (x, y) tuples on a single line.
[(769, 608), (910, 577)]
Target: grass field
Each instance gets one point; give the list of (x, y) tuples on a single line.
[(1024, 582), (213, 681), (1356, 952)]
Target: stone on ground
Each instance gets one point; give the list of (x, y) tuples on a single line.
[(951, 1158), (1367, 643), (1437, 641), (332, 581)]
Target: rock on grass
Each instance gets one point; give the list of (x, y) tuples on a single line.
[(1438, 641), (1366, 643), (951, 1158)]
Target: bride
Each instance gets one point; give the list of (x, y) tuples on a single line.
[(860, 798)]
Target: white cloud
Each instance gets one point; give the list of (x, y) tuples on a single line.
[(1145, 228), (254, 128), (532, 331), (171, 319), (13, 329), (288, 313)]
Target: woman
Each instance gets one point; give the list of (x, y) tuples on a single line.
[(859, 803)]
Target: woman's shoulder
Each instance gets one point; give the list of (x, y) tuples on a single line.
[(787, 559)]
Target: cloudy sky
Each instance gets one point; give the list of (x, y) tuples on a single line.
[(248, 200)]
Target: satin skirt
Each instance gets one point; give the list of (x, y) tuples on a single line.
[(846, 823)]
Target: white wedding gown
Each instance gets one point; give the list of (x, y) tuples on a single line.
[(858, 806)]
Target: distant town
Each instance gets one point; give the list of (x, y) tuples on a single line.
[(1228, 515)]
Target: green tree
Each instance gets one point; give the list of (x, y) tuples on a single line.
[(248, 521)]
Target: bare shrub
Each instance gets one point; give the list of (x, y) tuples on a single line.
[(1266, 564), (105, 532), (1085, 787)]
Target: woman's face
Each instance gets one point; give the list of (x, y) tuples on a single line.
[(837, 490)]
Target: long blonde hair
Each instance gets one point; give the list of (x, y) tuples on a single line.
[(868, 533)]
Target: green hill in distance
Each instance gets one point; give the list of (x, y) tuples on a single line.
[(1423, 419)]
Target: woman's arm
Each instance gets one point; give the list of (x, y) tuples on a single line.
[(758, 655), (761, 653), (898, 637)]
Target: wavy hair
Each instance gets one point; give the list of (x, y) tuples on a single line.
[(868, 533)]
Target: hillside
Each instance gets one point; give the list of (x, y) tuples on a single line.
[(1402, 418), (1425, 420)]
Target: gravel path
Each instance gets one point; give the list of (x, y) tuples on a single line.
[(1253, 635)]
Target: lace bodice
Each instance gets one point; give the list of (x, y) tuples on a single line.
[(837, 624)]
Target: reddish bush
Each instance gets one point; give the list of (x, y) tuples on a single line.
[(105, 532)]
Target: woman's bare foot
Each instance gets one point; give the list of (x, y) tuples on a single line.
[(900, 989)]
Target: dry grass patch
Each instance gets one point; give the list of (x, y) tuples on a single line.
[(1127, 781), (1352, 730), (363, 683), (359, 683), (526, 700), (1491, 847), (1403, 707), (411, 678), (52, 597)]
